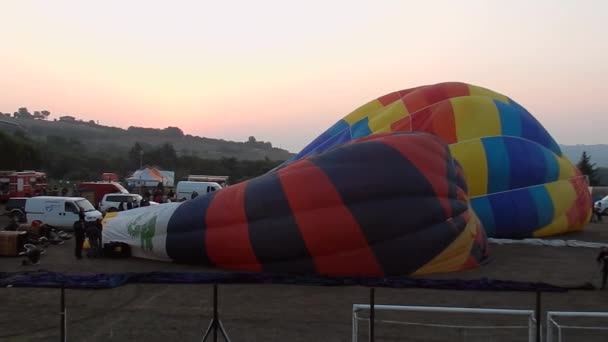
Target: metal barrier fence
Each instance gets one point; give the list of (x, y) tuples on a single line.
[(457, 323), (551, 322)]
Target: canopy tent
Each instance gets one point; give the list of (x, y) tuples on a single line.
[(150, 177)]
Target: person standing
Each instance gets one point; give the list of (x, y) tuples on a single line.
[(602, 258), (79, 231), (93, 233)]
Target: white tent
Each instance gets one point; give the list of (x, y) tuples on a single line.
[(150, 177)]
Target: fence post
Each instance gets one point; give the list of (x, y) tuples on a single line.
[(538, 315), (215, 316), (62, 321), (372, 314)]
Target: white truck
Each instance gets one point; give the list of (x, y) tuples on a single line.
[(61, 212), (184, 189)]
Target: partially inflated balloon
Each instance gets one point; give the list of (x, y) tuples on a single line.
[(388, 204), (519, 182)]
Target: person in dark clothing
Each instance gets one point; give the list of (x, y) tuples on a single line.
[(94, 235), (602, 258), (194, 194), (144, 202), (81, 215), (79, 232), (79, 239), (597, 213)]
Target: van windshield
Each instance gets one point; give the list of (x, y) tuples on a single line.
[(85, 205)]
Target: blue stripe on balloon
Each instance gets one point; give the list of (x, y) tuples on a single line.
[(360, 128), (339, 139), (498, 164), (532, 130), (481, 206), (527, 163), (552, 171), (337, 128), (509, 118), (543, 204), (515, 214)]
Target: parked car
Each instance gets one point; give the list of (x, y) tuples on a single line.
[(184, 189), (111, 202), (15, 208), (61, 212), (602, 205)]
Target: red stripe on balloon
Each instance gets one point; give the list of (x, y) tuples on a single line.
[(227, 236), (332, 235)]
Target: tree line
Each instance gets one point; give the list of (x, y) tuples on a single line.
[(69, 159)]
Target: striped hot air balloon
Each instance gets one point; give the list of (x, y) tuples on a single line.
[(374, 206), (520, 183)]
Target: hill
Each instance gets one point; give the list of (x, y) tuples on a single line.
[(104, 138)]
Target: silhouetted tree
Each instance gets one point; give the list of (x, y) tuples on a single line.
[(23, 113), (588, 169)]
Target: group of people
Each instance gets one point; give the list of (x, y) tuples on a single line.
[(90, 230)]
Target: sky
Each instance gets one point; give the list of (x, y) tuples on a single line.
[(284, 71)]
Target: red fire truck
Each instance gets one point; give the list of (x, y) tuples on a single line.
[(21, 184)]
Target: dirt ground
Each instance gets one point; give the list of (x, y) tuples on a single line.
[(157, 312)]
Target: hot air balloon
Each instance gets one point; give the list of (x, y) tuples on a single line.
[(520, 184), (386, 204)]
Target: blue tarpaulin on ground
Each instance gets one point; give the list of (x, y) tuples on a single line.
[(43, 278)]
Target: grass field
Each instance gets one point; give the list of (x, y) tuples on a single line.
[(157, 312)]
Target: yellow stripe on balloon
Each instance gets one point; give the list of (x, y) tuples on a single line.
[(566, 169), (475, 117), (456, 254), (558, 226), (562, 195), (367, 109), (479, 91), (383, 119), (472, 157), (108, 216)]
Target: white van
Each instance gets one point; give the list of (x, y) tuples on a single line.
[(59, 211), (185, 189)]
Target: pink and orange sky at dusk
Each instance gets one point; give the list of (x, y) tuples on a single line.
[(284, 71)]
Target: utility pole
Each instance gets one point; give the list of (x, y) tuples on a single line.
[(141, 158)]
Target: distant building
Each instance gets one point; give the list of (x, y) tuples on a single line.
[(150, 176), (67, 118)]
